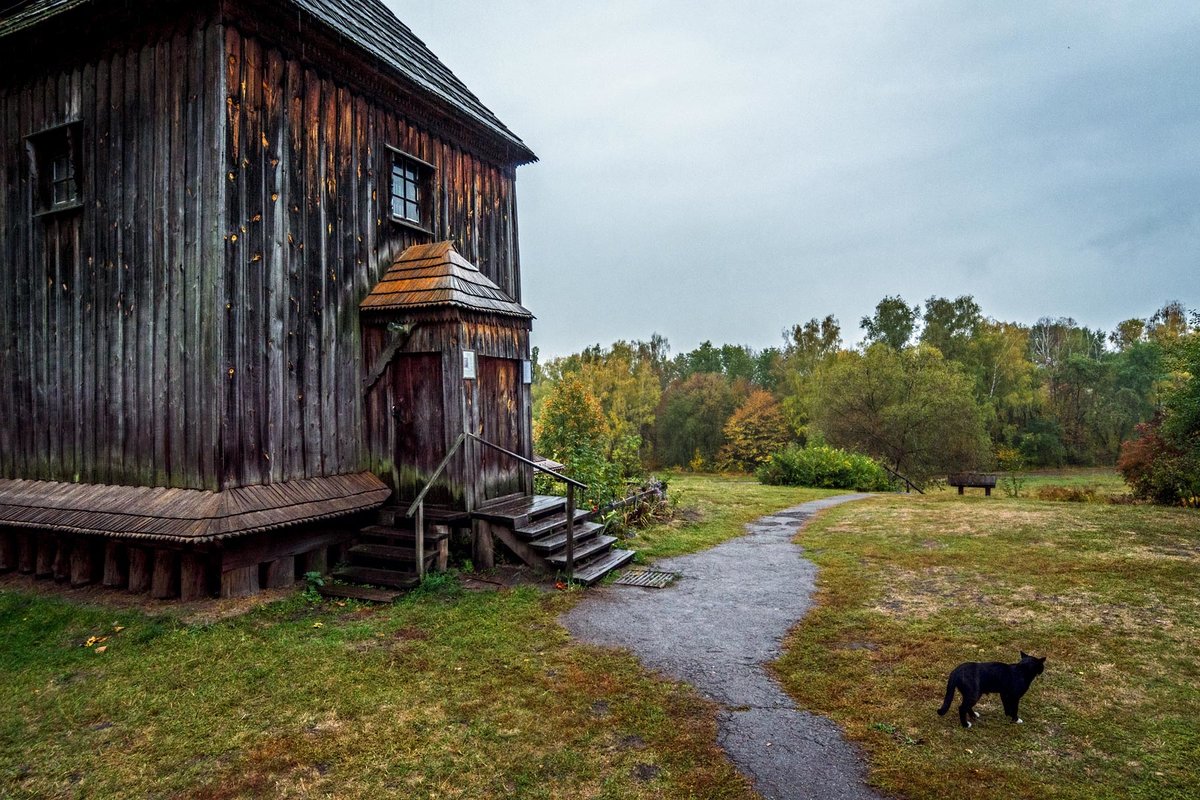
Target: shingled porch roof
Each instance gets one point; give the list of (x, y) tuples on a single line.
[(436, 275), (184, 515)]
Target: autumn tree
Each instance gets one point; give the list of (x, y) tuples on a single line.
[(691, 419), (910, 408), (753, 432)]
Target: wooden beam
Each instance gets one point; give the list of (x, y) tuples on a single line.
[(281, 572), (8, 551), (83, 561), (164, 583), (398, 335), (193, 577), (116, 565), (239, 582), (140, 564)]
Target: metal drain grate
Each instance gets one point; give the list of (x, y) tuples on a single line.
[(649, 578)]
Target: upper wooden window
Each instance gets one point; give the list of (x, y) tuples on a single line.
[(55, 161), (411, 198)]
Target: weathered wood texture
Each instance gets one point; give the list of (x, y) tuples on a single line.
[(107, 310), (195, 322), (496, 405), (308, 235)]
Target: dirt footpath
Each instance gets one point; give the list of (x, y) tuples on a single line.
[(715, 628)]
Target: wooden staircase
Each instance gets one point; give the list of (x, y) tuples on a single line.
[(384, 554), (535, 529)]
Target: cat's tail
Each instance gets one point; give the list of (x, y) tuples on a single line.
[(949, 698)]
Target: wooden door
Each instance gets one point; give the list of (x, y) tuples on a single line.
[(418, 423), (501, 421)]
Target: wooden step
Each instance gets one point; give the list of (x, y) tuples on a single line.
[(387, 552), (546, 524), (583, 550), (556, 541), (595, 570), (518, 513), (340, 590), (390, 531), (377, 577), (434, 515)]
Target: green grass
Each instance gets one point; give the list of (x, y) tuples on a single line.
[(911, 586), (441, 695), (445, 694), (713, 509)]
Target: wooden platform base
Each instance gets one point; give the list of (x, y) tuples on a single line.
[(275, 560)]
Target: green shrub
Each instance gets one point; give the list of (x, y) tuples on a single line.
[(824, 467)]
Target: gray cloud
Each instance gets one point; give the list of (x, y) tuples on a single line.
[(722, 171)]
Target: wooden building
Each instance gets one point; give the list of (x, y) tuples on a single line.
[(258, 269)]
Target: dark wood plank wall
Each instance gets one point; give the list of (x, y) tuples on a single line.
[(106, 311), (306, 237), (446, 333), (195, 324)]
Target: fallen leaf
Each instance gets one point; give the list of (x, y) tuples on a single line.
[(101, 648), (318, 624), (118, 628)]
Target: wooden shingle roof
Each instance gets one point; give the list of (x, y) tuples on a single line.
[(435, 275), (367, 24), (184, 515)]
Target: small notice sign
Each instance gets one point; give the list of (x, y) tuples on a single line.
[(468, 365)]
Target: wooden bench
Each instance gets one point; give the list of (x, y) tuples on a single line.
[(975, 480)]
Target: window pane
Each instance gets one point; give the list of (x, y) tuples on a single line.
[(410, 191), (397, 207), (414, 213)]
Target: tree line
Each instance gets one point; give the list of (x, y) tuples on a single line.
[(933, 387)]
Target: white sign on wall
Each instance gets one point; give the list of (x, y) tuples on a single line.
[(468, 365)]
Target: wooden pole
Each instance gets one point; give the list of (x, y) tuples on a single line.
[(139, 569), (83, 562), (116, 564), (419, 540), (26, 551), (8, 551), (570, 532), (193, 577), (164, 582)]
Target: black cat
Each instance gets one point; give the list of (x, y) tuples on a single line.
[(1010, 681)]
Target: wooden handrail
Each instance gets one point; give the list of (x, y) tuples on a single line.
[(534, 464), (418, 505), (429, 483), (909, 485), (572, 485)]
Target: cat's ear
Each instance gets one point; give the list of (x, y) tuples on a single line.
[(1041, 660), (1024, 654)]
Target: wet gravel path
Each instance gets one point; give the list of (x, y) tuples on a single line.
[(715, 628)]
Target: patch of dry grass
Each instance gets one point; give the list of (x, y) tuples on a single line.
[(909, 587)]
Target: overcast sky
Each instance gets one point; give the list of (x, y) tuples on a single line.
[(722, 170)]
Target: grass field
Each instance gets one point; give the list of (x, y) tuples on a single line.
[(910, 586), (446, 694), (455, 694)]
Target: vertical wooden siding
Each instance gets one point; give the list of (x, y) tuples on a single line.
[(106, 311), (306, 238), (195, 324)]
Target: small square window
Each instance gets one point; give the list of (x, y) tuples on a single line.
[(54, 160), (410, 199)]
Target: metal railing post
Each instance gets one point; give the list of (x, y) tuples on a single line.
[(570, 532)]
